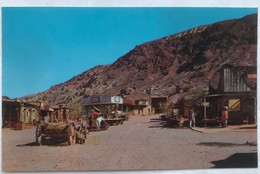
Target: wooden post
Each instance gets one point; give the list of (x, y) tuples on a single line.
[(9, 113), (205, 110), (66, 115), (51, 116), (255, 110), (17, 114), (48, 115), (21, 113), (61, 112), (39, 114), (31, 114)]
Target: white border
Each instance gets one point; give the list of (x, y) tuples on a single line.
[(139, 3), (130, 3)]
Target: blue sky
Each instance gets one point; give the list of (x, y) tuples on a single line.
[(45, 46)]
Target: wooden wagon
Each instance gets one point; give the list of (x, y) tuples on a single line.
[(69, 131)]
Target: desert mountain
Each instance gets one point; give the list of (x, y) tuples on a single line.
[(167, 66)]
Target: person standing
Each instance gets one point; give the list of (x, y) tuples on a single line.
[(225, 116), (78, 117), (192, 118)]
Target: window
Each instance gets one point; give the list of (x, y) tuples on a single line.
[(234, 104)]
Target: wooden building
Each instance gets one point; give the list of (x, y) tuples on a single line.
[(183, 107), (234, 87), (17, 113), (128, 105), (142, 107), (156, 101), (104, 104)]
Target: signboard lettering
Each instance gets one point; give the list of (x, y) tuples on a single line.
[(191, 31), (95, 99)]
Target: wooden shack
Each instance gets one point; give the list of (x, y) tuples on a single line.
[(156, 101), (17, 113), (128, 105), (142, 107), (234, 87), (139, 107)]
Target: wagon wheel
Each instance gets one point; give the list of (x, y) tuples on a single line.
[(106, 125), (102, 125), (85, 132), (71, 135), (180, 125), (86, 129), (87, 125), (39, 134)]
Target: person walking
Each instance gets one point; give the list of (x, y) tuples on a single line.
[(192, 116)]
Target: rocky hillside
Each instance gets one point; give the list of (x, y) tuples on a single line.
[(168, 66)]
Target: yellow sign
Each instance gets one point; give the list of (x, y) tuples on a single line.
[(205, 104), (234, 104)]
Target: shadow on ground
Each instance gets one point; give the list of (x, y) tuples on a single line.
[(28, 144), (161, 123), (47, 142), (224, 144), (238, 160), (155, 119), (248, 127)]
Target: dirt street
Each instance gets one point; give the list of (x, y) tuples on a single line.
[(140, 143)]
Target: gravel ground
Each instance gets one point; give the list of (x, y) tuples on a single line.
[(139, 144)]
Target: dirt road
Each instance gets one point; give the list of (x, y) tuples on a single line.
[(140, 143)]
